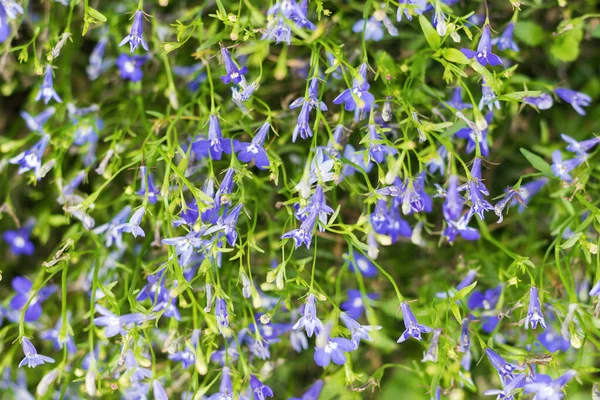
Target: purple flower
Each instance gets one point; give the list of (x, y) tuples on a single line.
[(561, 168), (133, 226), (309, 321), (36, 124), (116, 324), (278, 31), (4, 25), (476, 191), (312, 99), (486, 301), (255, 151), (23, 287), (222, 315), (373, 29), (113, 235), (11, 8), (476, 137), (453, 204), (54, 336), (215, 145), (31, 160), (130, 67), (413, 328), (352, 159), (509, 389), (456, 101), (184, 246), (359, 94), (135, 37), (359, 332), (488, 97), (260, 390), (461, 227), (136, 373), (360, 263), (377, 149), (527, 191), (312, 393), (553, 341), (19, 240), (579, 148), (47, 90), (534, 312), (32, 358), (225, 389), (547, 389), (543, 102), (484, 53), (159, 391), (576, 99), (505, 41), (355, 306), (147, 188), (233, 72), (595, 290), (333, 350), (227, 225), (506, 200), (304, 234), (96, 64), (505, 370)]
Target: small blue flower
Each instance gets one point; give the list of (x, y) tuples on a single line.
[(360, 263), (595, 290), (96, 63), (505, 41), (112, 235), (32, 358), (580, 148), (116, 324), (410, 8), (309, 320), (333, 350), (373, 29), (135, 37), (260, 390), (505, 370), (53, 335), (4, 25), (453, 204), (355, 306), (456, 101), (147, 188), (222, 316), (486, 301), (47, 90), (576, 99), (133, 226), (545, 388), (543, 102), (313, 392), (184, 246), (465, 338), (561, 168), (358, 95), (534, 312), (484, 53), (359, 332), (215, 145), (36, 124), (509, 390), (19, 241), (227, 225), (476, 191), (377, 149), (11, 8), (24, 292), (527, 191), (476, 137), (130, 67), (133, 368), (513, 194), (488, 97), (233, 72), (31, 160), (553, 341), (303, 235), (225, 389), (255, 151), (159, 391), (413, 328)]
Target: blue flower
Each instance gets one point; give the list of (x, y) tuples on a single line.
[(595, 290), (475, 136), (147, 188), (222, 316), (159, 391), (11, 8), (53, 335), (260, 390), (543, 102), (465, 338), (461, 227), (509, 390), (547, 389), (534, 312), (96, 64), (225, 389), (527, 191), (278, 31), (312, 393), (233, 72), (4, 25), (488, 97), (309, 320), (255, 151), (505, 41), (133, 368), (453, 204), (553, 341), (36, 124), (580, 148), (133, 226), (373, 29), (333, 350), (31, 160), (512, 195), (576, 99), (184, 246), (47, 90), (130, 67), (111, 234), (484, 53), (18, 240), (304, 234), (505, 370), (476, 191), (215, 145), (227, 225), (359, 332), (24, 292), (413, 328), (561, 168), (377, 149), (355, 306), (410, 8), (116, 324), (358, 95), (32, 358), (360, 263), (135, 37), (456, 101), (486, 301)]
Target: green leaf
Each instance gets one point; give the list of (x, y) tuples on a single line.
[(455, 56), (431, 34), (97, 15), (530, 33), (537, 162), (566, 46), (464, 291), (571, 242)]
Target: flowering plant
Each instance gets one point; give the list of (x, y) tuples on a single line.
[(296, 199)]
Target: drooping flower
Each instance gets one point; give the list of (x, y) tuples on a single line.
[(527, 191), (32, 358), (115, 324), (222, 315), (54, 336), (47, 91), (313, 392), (31, 160), (505, 369), (135, 37), (233, 72), (553, 341), (4, 25), (11, 8), (133, 226), (484, 53), (184, 246), (159, 390), (358, 95), (309, 320), (488, 97), (561, 168), (580, 148), (476, 137), (577, 99), (111, 234), (413, 328), (133, 368), (96, 63), (226, 388), (147, 188), (215, 145), (303, 235), (378, 150), (505, 41), (547, 389), (534, 312), (24, 292), (359, 332), (227, 225), (130, 67), (509, 389), (332, 349), (255, 151), (260, 390), (513, 194), (543, 102), (36, 123)]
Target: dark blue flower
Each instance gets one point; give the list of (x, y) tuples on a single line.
[(534, 311), (32, 358), (226, 388), (147, 188), (373, 29), (53, 335), (222, 316), (484, 53), (215, 145), (505, 369), (413, 328), (130, 67), (505, 41), (476, 191), (18, 240), (255, 151), (355, 306), (24, 289), (304, 234), (465, 338), (233, 72), (360, 263), (359, 94), (453, 204), (475, 136), (486, 301), (377, 149), (576, 99), (47, 90), (135, 37), (543, 102)]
